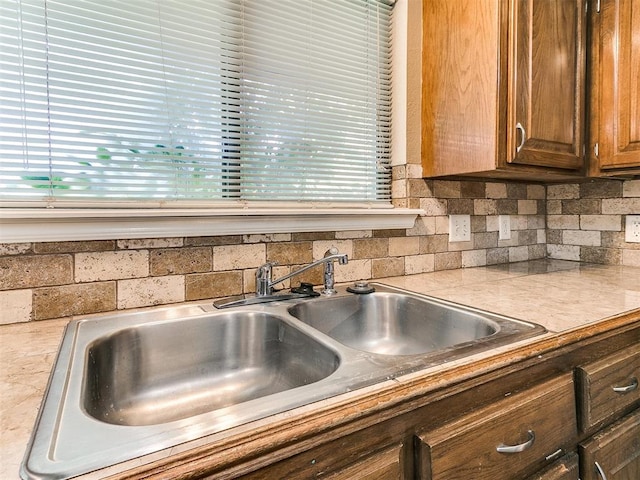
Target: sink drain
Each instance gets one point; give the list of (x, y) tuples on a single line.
[(361, 287)]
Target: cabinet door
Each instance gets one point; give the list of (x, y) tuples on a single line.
[(503, 88), (617, 84), (614, 453), (461, 75), (546, 117)]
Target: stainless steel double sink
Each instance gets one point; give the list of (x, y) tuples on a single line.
[(129, 384)]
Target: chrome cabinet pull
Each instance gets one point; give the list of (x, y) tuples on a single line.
[(502, 448), (600, 471), (557, 454), (523, 136), (628, 388)]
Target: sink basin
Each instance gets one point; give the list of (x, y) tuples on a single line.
[(391, 323), (131, 384), (160, 373)]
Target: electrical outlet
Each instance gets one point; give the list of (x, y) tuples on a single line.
[(504, 226), (632, 229), (459, 228)]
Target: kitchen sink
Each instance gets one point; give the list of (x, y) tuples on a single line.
[(392, 323), (129, 384), (164, 372)]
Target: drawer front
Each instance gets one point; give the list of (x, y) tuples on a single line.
[(509, 439), (614, 452), (564, 469), (608, 386), (384, 465)]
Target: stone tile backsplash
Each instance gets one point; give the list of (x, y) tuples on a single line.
[(583, 222), (41, 281)]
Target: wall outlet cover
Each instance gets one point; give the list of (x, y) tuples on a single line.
[(459, 228), (632, 229), (504, 227)]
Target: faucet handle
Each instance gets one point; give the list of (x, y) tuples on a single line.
[(265, 269), (263, 278), (342, 258), (331, 251)]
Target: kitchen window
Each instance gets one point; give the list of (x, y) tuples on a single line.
[(199, 107)]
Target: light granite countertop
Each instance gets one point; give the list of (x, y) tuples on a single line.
[(557, 294), (562, 296)]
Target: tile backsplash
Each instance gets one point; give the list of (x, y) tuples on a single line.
[(45, 280), (586, 221)]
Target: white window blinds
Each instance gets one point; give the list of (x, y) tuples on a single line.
[(214, 101)]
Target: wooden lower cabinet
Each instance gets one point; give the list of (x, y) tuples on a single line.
[(384, 465), (607, 387), (566, 468), (509, 439), (614, 452), (362, 456)]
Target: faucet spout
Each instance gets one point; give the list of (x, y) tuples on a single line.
[(264, 283)]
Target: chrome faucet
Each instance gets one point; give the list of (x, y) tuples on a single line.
[(265, 284)]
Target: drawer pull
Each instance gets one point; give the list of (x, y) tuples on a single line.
[(600, 471), (629, 388), (502, 448), (557, 454)]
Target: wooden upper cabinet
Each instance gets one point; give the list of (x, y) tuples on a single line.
[(503, 88), (460, 76), (546, 119), (615, 88)]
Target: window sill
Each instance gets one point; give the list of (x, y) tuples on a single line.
[(55, 225)]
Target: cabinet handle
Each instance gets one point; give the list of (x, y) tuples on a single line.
[(557, 454), (628, 388), (600, 471), (502, 448), (523, 136)]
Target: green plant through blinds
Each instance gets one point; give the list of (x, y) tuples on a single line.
[(210, 101)]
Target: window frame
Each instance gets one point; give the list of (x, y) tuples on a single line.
[(39, 225)]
